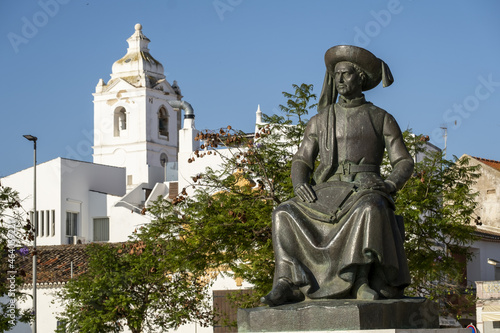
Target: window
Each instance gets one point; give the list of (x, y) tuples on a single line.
[(163, 122), (101, 229), (47, 223), (71, 224), (53, 222), (42, 224), (120, 121), (163, 159), (61, 325)]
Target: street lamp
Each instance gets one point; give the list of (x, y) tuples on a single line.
[(495, 263), (35, 226), (492, 262)]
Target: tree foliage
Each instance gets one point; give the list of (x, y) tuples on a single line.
[(14, 231), (132, 284), (224, 228), (438, 206)]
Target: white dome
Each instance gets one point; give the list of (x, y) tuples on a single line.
[(138, 62)]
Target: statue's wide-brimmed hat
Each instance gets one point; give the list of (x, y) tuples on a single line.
[(375, 69)]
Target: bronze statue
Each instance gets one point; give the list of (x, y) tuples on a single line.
[(339, 237)]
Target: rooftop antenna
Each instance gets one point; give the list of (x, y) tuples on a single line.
[(445, 136)]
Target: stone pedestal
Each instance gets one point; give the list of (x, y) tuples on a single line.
[(338, 315)]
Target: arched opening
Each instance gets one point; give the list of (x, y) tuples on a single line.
[(120, 121), (163, 122)]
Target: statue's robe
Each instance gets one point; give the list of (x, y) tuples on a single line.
[(319, 246)]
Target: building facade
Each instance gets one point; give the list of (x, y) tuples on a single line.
[(487, 249), (137, 141)]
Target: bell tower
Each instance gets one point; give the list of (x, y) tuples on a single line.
[(135, 125)]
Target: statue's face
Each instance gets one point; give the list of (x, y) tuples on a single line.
[(347, 80)]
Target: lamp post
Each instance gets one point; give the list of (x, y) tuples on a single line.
[(34, 227)]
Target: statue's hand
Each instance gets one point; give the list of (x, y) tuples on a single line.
[(384, 186), (305, 192), (390, 187)]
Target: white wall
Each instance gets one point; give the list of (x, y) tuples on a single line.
[(78, 178), (479, 269), (65, 186), (199, 166), (46, 318), (48, 194), (123, 222)]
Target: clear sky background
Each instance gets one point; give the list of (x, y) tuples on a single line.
[(228, 56)]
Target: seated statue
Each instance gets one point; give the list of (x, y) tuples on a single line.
[(339, 237)]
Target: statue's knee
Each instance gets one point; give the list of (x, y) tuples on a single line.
[(282, 209), (375, 201), (281, 214)]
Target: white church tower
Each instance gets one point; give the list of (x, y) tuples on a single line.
[(137, 116)]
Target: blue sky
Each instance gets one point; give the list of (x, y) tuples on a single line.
[(228, 56)]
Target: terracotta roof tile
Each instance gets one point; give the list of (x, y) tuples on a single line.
[(54, 263), (492, 163)]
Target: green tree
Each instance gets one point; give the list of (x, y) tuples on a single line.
[(226, 225), (14, 233), (132, 284), (297, 106), (438, 206)]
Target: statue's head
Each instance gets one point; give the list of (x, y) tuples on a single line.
[(349, 79)]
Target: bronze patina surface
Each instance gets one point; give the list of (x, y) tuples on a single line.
[(339, 237)]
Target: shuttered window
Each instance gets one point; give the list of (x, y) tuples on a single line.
[(226, 311), (101, 229), (71, 224), (53, 212)]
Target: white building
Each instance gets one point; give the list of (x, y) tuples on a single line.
[(74, 201), (137, 140), (488, 228), (137, 116)]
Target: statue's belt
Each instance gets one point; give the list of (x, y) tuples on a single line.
[(349, 168)]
